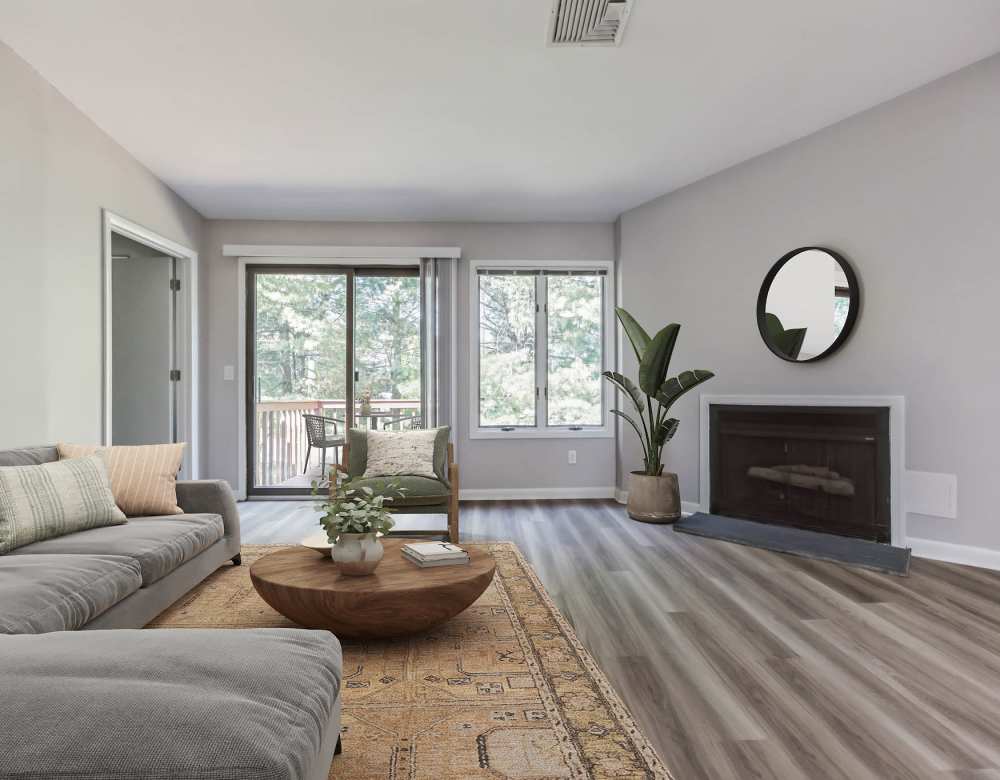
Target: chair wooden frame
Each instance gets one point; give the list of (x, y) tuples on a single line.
[(452, 511)]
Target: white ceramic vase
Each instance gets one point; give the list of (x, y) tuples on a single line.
[(357, 554)]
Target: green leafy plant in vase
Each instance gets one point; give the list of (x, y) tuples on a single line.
[(353, 517), (653, 497)]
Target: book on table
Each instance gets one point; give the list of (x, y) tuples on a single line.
[(435, 553)]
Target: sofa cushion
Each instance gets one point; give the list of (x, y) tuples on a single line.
[(143, 478), (420, 491), (166, 703), (159, 544), (40, 593), (28, 456), (51, 499)]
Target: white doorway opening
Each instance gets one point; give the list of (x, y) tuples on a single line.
[(150, 340)]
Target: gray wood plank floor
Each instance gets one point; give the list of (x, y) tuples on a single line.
[(741, 663)]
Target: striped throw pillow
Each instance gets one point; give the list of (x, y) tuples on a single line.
[(53, 499), (143, 478)]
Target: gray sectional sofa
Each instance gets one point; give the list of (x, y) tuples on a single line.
[(111, 704)]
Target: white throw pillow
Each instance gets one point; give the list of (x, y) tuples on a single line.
[(54, 499), (403, 453)]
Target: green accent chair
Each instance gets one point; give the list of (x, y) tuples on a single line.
[(424, 496)]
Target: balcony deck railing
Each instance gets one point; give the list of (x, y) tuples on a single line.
[(280, 434)]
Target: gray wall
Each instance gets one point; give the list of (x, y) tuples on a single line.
[(910, 192), (514, 464), (57, 171)]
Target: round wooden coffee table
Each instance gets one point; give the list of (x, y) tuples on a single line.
[(399, 598)]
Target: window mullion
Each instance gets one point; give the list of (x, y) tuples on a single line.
[(541, 352)]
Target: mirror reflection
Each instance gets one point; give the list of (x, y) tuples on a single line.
[(807, 303)]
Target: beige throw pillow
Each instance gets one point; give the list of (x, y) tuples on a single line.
[(53, 499), (143, 478), (401, 453)]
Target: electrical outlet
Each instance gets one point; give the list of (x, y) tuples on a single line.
[(572, 456), (228, 373)]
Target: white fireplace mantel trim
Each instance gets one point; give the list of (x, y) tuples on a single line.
[(897, 442)]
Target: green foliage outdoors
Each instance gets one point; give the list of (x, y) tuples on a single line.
[(301, 342), (507, 350), (301, 333)]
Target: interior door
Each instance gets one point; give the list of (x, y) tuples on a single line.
[(143, 342)]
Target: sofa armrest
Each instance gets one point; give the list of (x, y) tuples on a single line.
[(212, 496)]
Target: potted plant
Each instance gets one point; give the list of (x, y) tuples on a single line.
[(353, 518), (653, 497), (366, 403)]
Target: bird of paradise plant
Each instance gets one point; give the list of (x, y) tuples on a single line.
[(655, 393)]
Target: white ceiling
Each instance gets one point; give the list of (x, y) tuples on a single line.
[(456, 109)]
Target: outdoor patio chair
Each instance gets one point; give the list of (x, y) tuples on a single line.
[(318, 436), (401, 423)]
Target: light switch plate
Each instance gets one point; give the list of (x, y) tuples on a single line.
[(572, 457), (228, 373), (927, 493)]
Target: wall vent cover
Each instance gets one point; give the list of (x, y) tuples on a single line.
[(588, 22)]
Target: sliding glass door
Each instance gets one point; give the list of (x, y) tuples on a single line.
[(387, 354), (328, 347)]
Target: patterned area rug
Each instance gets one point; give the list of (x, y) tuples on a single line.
[(503, 690)]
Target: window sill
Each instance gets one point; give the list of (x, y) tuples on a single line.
[(540, 433)]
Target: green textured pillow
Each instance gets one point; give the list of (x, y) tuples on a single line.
[(54, 499), (357, 461)]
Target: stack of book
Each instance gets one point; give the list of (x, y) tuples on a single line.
[(426, 554)]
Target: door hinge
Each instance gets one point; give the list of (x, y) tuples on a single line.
[(175, 285), (175, 375)]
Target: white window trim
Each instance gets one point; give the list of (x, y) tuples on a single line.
[(540, 430)]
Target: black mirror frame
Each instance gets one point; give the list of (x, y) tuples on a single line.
[(852, 310)]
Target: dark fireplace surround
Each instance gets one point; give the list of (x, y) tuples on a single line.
[(822, 468)]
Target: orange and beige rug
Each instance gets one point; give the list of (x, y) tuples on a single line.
[(504, 690)]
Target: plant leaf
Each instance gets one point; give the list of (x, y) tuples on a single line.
[(635, 332), (630, 421), (655, 361), (665, 432), (626, 385), (676, 386)]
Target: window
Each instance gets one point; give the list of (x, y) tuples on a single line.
[(507, 350), (540, 334)]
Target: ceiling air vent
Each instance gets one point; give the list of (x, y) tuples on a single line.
[(588, 22)]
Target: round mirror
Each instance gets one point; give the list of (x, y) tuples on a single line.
[(807, 304)]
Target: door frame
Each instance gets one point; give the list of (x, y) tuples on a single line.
[(186, 344), (341, 260)]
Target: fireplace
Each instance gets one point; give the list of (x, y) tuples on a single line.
[(822, 468)]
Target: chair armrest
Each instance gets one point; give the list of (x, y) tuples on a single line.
[(210, 496)]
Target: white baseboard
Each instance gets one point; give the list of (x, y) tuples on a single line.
[(982, 557), (535, 494), (687, 507)]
